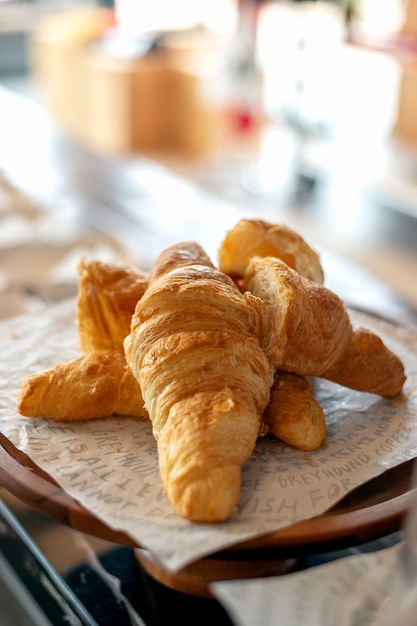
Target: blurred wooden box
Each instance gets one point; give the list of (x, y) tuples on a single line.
[(406, 117), (122, 106)]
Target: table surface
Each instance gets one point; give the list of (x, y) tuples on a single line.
[(140, 207)]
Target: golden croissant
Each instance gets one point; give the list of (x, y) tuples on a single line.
[(307, 331), (194, 348), (97, 384), (293, 413), (107, 296), (250, 238)]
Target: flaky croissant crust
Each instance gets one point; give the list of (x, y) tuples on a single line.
[(251, 237), (205, 379), (293, 413), (307, 331), (107, 295), (97, 384)]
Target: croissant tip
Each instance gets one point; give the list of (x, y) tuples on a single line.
[(210, 498)]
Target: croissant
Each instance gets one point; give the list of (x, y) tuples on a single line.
[(194, 348), (293, 413), (93, 385), (307, 331), (107, 296), (250, 238)]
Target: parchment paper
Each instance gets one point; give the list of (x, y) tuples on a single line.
[(110, 465), (353, 591)]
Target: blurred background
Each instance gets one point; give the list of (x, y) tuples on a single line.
[(299, 111)]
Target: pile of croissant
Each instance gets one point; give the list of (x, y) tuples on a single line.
[(213, 357)]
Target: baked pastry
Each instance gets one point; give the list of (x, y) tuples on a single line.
[(98, 384), (293, 413), (250, 238), (194, 348), (107, 296), (307, 331)]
